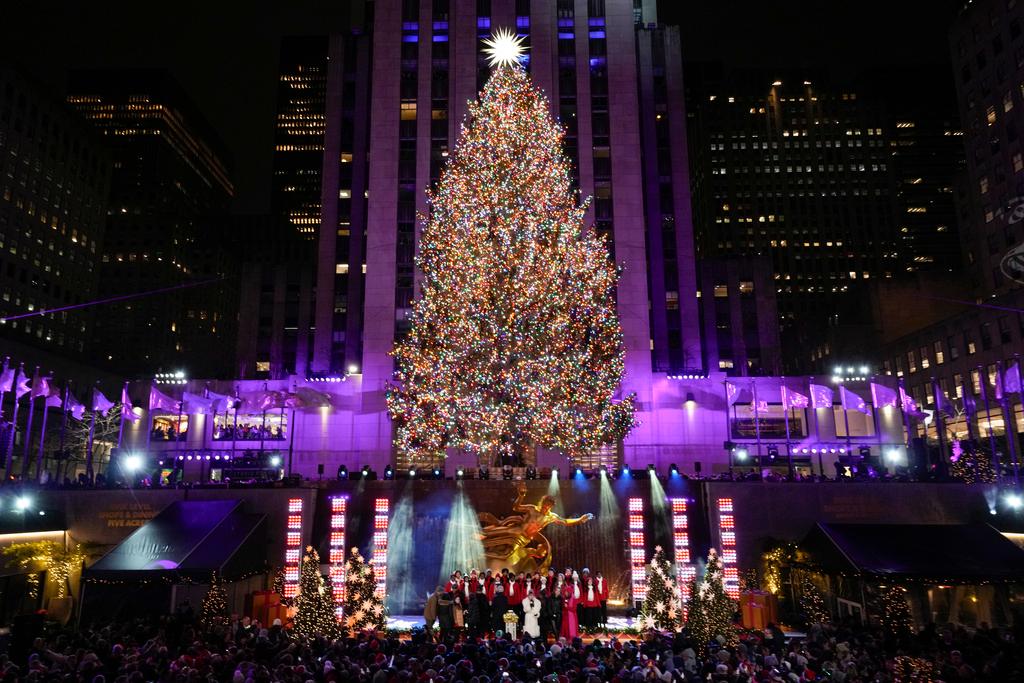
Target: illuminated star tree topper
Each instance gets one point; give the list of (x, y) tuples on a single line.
[(504, 48), (515, 341)]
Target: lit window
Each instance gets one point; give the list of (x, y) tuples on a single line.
[(341, 269), (263, 366), (725, 364)]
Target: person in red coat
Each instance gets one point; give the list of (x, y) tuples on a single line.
[(590, 599), (602, 588), (515, 591), (570, 598), (454, 585)]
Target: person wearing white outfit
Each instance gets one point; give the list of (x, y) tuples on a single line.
[(531, 612)]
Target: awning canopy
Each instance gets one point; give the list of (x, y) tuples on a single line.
[(920, 553), (188, 539)]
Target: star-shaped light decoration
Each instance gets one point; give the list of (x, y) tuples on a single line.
[(504, 48)]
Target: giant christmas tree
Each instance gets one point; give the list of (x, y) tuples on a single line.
[(515, 342)]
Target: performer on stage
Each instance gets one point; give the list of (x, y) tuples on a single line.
[(499, 605), (531, 618), (602, 589), (570, 598), (591, 601)]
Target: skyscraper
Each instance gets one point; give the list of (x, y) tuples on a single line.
[(299, 132), (798, 172), (397, 93), (54, 181), (169, 173), (988, 66)]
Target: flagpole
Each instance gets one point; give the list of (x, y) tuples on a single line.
[(940, 427), (876, 419), (28, 425), (63, 427), (970, 429), (234, 429), (817, 436), (177, 427), (988, 426), (728, 425), (88, 445), (846, 423), (120, 428), (789, 445), (263, 422), (9, 464), (757, 425), (149, 418), (1009, 426), (7, 362), (42, 442)]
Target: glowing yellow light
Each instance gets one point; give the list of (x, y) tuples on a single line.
[(504, 47)]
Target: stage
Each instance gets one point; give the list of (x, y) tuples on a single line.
[(404, 623)]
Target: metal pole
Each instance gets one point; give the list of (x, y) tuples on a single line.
[(789, 446), (9, 465), (149, 419), (234, 430), (42, 442), (63, 429), (120, 428), (7, 362), (817, 436), (988, 427), (757, 424), (728, 427), (970, 430), (940, 428), (25, 457), (291, 440), (88, 447), (1009, 424)]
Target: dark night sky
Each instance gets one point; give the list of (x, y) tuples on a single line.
[(224, 52)]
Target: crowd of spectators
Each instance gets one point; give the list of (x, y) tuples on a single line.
[(248, 432), (175, 649)]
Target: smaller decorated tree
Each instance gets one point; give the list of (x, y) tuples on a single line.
[(812, 603), (364, 608), (213, 612), (710, 611), (971, 464), (894, 612), (314, 605), (278, 587), (661, 606)]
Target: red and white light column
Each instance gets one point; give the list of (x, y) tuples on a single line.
[(727, 538), (379, 561), (685, 571), (339, 513), (637, 550), (292, 547)]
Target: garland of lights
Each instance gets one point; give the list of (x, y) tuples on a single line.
[(515, 342)]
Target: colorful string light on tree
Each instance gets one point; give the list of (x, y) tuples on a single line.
[(515, 342)]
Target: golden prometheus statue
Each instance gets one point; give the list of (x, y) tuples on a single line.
[(516, 541)]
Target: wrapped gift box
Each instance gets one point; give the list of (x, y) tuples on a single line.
[(258, 604), (758, 609)]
